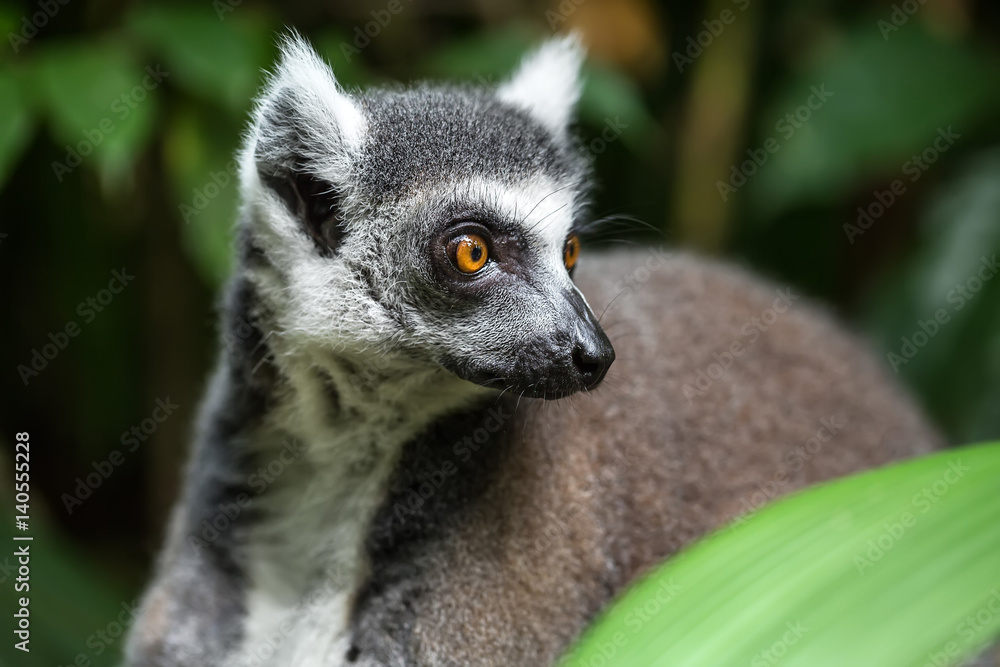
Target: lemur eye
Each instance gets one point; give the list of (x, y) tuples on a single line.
[(571, 252), (468, 252)]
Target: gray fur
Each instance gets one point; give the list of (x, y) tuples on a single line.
[(372, 419), (430, 134)]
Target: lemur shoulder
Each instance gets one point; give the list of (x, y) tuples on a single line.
[(407, 455)]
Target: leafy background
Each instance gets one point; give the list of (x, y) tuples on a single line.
[(154, 196)]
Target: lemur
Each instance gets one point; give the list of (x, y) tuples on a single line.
[(407, 455)]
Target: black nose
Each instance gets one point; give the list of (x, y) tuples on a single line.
[(592, 352), (592, 355), (592, 365)]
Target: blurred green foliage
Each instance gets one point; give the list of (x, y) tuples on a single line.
[(835, 564), (887, 102), (157, 94)]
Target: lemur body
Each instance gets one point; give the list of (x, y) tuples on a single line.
[(375, 481)]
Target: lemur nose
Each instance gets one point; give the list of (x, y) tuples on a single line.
[(592, 351), (592, 358)]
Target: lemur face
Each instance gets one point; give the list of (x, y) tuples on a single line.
[(432, 225)]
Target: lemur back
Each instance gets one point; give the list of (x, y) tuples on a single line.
[(378, 478)]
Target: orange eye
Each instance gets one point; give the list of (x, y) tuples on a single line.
[(468, 252), (571, 252)]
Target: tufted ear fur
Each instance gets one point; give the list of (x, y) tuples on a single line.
[(547, 83), (304, 132)]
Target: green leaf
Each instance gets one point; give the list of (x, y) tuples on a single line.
[(218, 59), (945, 297), (336, 47), (15, 123), (889, 99), (889, 567), (11, 27), (202, 171), (101, 102), (610, 99), (485, 57)]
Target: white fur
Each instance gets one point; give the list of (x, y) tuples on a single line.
[(304, 570), (301, 69), (543, 207), (336, 125), (547, 84)]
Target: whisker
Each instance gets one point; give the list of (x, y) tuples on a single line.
[(546, 216), (610, 303), (528, 215), (618, 220)]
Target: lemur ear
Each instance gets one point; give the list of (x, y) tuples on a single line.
[(305, 130), (547, 83)]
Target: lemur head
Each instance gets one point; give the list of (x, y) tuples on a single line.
[(428, 225)]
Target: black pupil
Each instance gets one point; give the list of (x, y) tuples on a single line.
[(477, 252)]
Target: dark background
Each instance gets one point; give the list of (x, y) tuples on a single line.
[(153, 197)]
